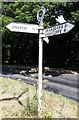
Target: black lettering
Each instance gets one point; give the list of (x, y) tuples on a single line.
[(13, 26), (16, 27), (26, 28), (33, 28), (54, 28), (65, 30), (57, 31), (62, 26), (58, 26), (60, 31), (65, 25), (20, 27)]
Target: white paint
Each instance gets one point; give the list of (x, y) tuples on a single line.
[(40, 18), (40, 73), (58, 29), (40, 78), (46, 39), (60, 19), (23, 27)]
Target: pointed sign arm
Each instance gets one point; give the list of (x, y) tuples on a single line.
[(56, 30), (23, 27)]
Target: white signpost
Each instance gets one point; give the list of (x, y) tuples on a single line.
[(43, 35)]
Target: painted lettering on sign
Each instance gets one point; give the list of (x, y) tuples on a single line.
[(59, 29), (19, 27)]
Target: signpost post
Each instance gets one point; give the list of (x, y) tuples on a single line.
[(40, 74), (43, 35), (40, 19)]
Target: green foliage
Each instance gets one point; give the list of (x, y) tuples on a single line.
[(46, 113), (24, 47), (33, 106)]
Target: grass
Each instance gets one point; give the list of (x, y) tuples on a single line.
[(53, 105), (11, 87)]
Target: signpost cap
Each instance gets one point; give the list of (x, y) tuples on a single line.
[(40, 18)]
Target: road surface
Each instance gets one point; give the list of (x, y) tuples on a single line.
[(63, 84)]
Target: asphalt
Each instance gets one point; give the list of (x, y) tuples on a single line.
[(60, 83)]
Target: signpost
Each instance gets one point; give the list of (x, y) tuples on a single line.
[(43, 35)]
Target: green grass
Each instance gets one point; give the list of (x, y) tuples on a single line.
[(53, 105), (11, 86)]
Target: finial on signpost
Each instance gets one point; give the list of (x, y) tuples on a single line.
[(41, 17)]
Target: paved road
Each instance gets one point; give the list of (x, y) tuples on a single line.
[(63, 84)]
